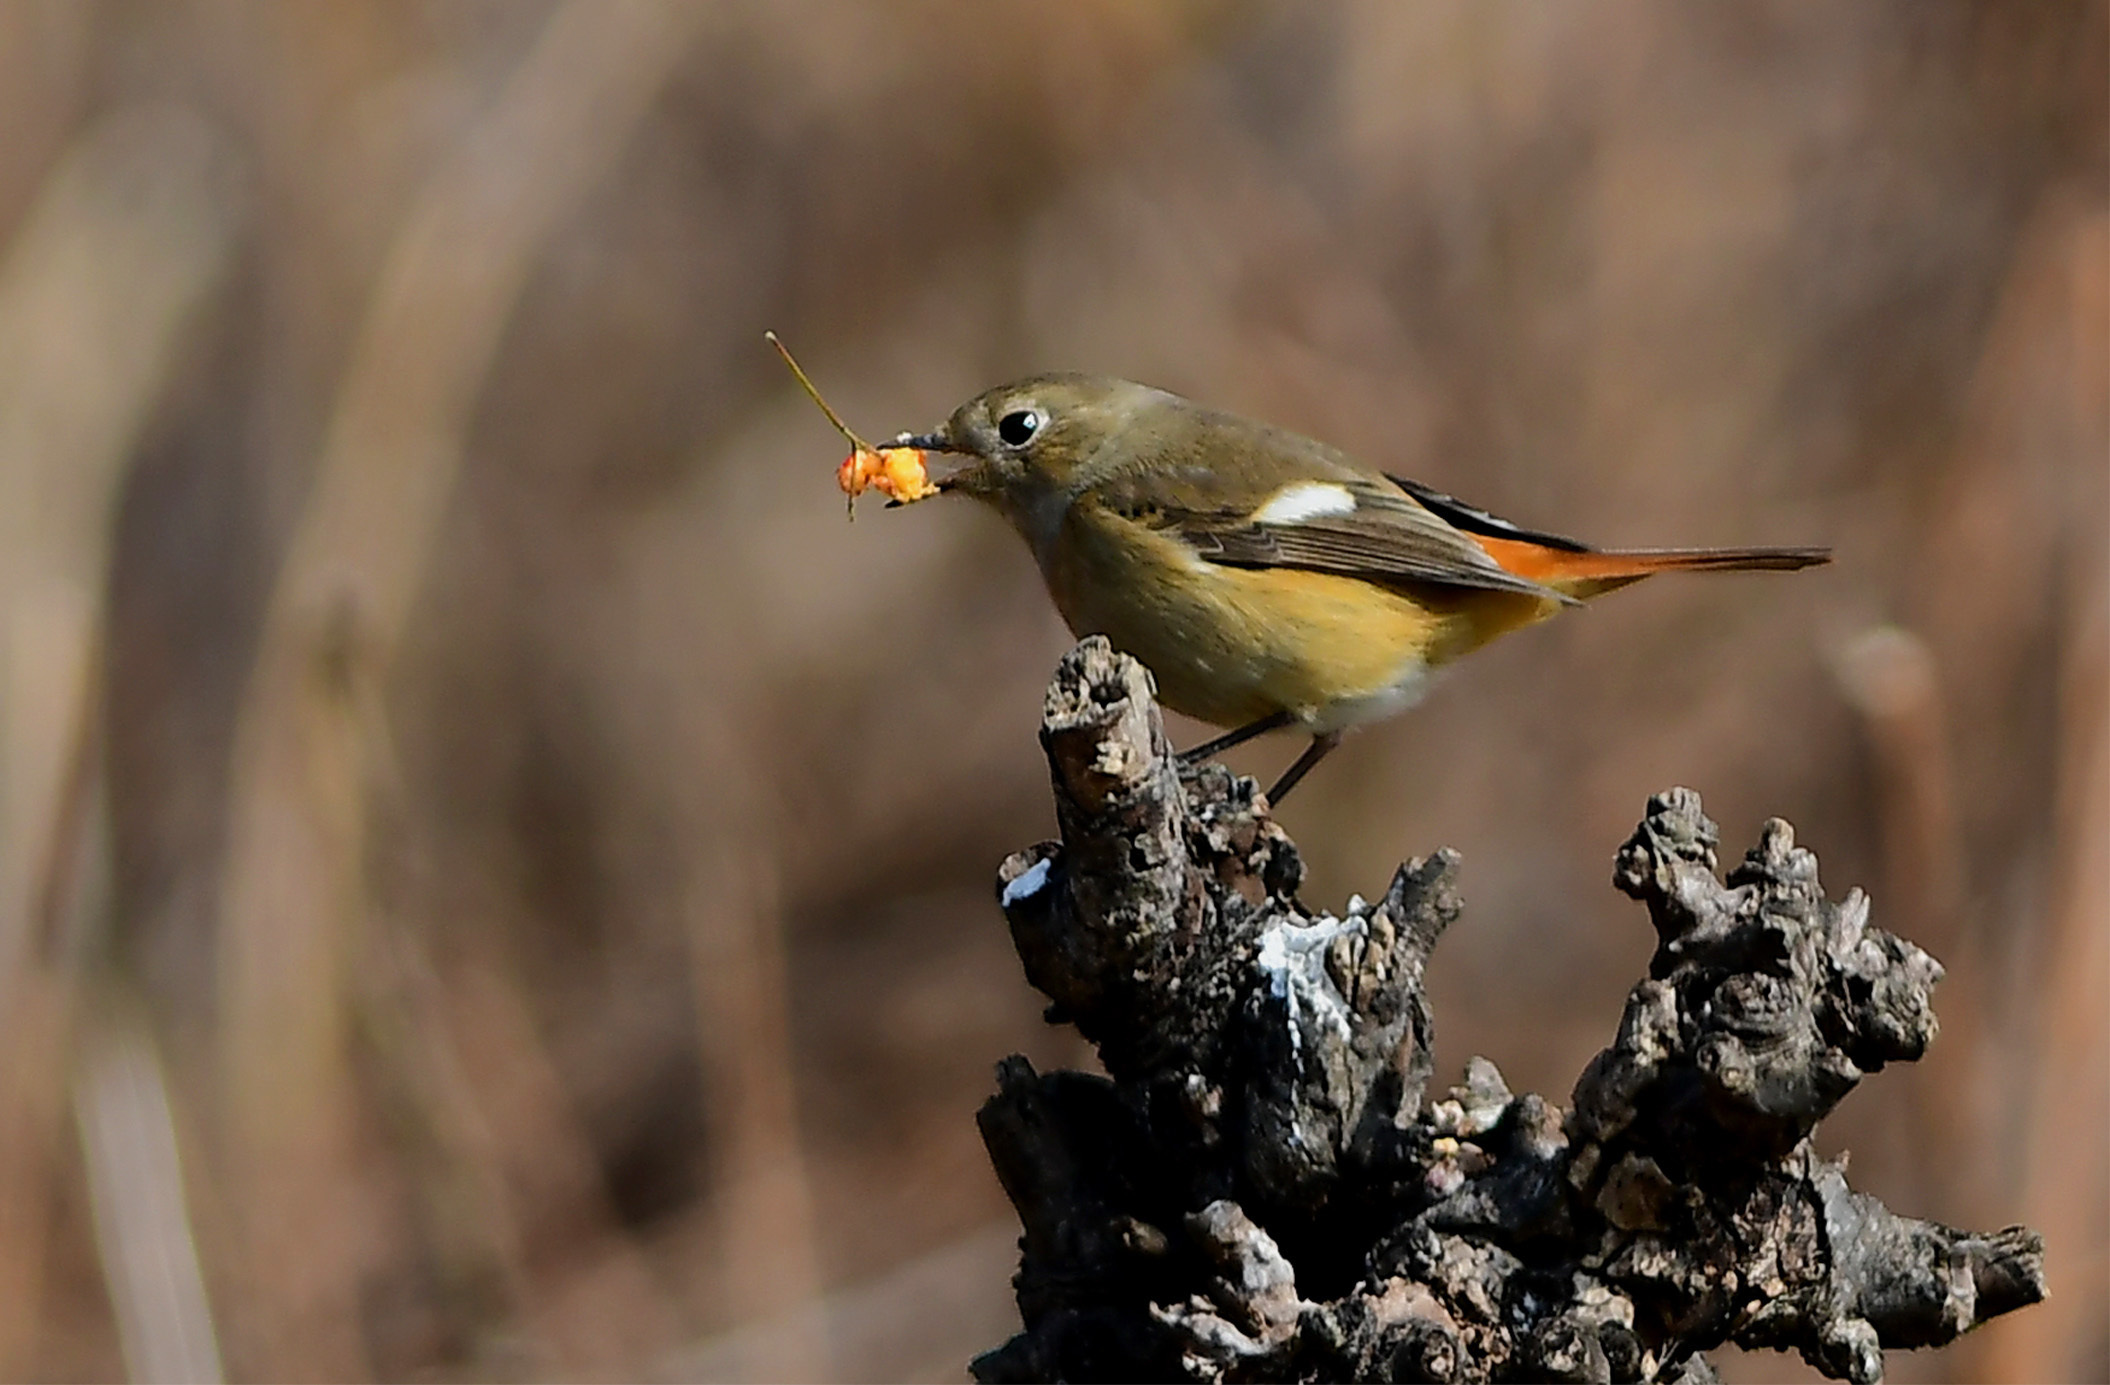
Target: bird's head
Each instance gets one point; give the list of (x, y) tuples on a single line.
[(1030, 441)]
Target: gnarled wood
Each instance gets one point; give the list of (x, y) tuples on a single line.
[(1259, 1190)]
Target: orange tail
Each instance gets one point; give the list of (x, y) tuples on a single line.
[(1590, 571)]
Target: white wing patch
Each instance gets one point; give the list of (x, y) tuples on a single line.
[(1306, 500)]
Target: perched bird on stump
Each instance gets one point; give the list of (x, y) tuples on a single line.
[(1266, 579)]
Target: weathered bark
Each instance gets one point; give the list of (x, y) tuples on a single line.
[(1260, 1191)]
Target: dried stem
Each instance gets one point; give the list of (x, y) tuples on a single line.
[(306, 753)]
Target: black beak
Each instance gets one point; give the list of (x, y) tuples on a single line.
[(941, 472)]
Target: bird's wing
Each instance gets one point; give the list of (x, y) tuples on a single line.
[(1475, 520), (1351, 524)]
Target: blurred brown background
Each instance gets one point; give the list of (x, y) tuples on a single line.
[(495, 877)]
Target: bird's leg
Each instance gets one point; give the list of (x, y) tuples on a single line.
[(1321, 746), (1207, 750)]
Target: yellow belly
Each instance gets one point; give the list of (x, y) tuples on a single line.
[(1232, 645)]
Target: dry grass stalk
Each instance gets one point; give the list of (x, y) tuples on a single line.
[(295, 889), (2066, 1127), (129, 234)]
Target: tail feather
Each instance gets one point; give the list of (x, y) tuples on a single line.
[(1640, 562), (1601, 569)]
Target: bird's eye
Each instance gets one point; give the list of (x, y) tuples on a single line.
[(1017, 428)]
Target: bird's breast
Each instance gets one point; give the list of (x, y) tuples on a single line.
[(1230, 645)]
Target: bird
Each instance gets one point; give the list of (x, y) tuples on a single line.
[(1266, 579)]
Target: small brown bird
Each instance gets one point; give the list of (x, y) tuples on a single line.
[(1264, 578)]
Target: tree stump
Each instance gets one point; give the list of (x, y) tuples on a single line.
[(1261, 1189)]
